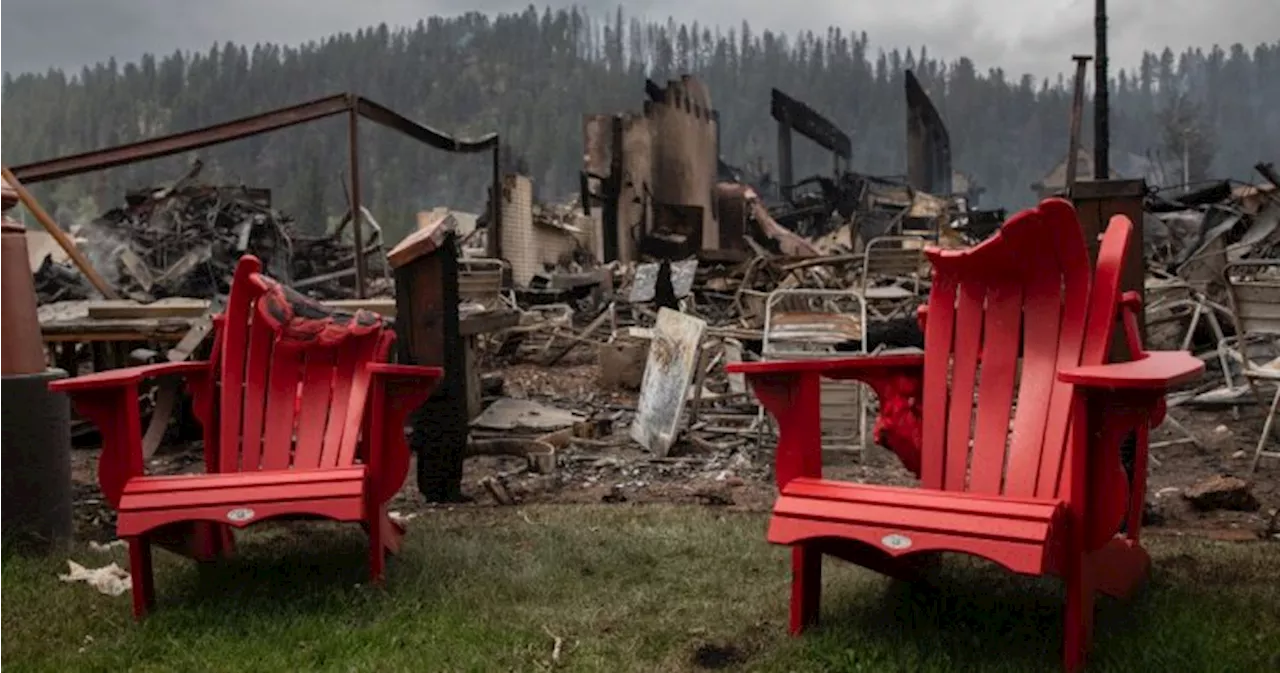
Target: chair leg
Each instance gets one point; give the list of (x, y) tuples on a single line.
[(1078, 625), (141, 576), (377, 545), (1259, 452), (806, 587)]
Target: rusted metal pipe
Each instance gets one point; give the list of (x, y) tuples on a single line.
[(186, 141), (1077, 111), (357, 229)]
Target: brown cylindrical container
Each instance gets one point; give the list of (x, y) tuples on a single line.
[(35, 423), (22, 351)]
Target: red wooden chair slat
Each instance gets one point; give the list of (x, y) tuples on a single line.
[(1043, 299), (1016, 423), (232, 362), (999, 367), (313, 407), (253, 410), (938, 338), (184, 482), (357, 395), (964, 378), (1073, 261), (345, 368), (283, 423)]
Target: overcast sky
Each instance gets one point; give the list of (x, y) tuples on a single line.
[(1036, 36)]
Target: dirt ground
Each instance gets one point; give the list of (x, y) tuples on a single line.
[(613, 469)]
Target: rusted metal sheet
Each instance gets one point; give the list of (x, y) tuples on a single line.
[(928, 143), (821, 328)]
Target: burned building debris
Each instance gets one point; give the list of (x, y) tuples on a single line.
[(183, 240), (749, 258)]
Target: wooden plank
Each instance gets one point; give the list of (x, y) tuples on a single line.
[(316, 405), (488, 321), (667, 375), (169, 387), (169, 308), (194, 308), (281, 392), (385, 306), (175, 315), (138, 326), (111, 337)]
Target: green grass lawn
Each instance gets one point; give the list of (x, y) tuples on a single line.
[(625, 589)]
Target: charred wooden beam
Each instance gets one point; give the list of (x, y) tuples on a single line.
[(928, 143), (809, 123)]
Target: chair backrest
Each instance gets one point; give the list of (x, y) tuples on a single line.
[(283, 404), (1028, 289), (809, 323), (480, 280), (1254, 289), (893, 256)]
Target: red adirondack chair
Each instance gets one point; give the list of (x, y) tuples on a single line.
[(302, 418), (1044, 495)]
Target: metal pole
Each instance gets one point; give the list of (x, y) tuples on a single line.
[(1101, 109), (1077, 111), (353, 128)]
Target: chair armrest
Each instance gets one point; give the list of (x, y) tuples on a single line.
[(835, 368), (110, 401), (1155, 371), (1116, 400), (389, 370), (791, 391), (396, 391), (113, 378)]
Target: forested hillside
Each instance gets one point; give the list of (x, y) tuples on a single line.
[(532, 76)]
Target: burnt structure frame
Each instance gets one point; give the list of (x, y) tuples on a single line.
[(795, 116), (352, 105)]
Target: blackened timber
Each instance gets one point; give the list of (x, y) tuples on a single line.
[(928, 143), (807, 122), (429, 332), (1101, 103)]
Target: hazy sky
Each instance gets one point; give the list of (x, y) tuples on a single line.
[(1036, 36)]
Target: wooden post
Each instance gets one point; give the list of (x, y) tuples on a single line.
[(1077, 113), (1096, 202), (428, 332)]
